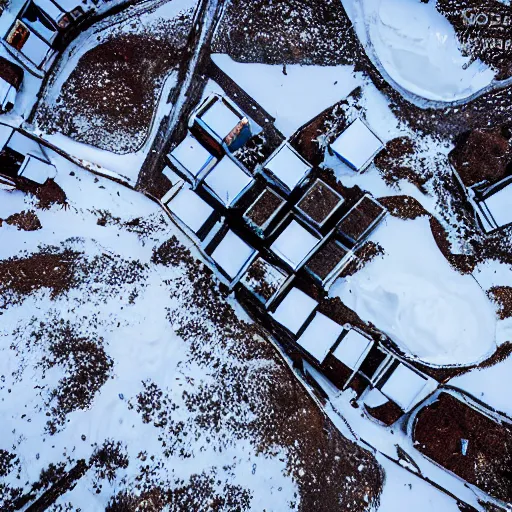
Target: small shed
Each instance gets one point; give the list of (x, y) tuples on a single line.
[(361, 219), (11, 77), (218, 118), (227, 181), (193, 212), (319, 203), (263, 213), (294, 310), (404, 386), (286, 168), (191, 159), (357, 146), (353, 349), (37, 170), (29, 44), (295, 243), (264, 280), (320, 336), (232, 256)]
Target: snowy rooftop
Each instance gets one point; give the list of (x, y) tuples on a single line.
[(319, 336), (191, 209), (191, 155), (497, 206), (357, 145), (294, 244), (221, 119), (35, 49), (227, 181), (288, 166), (36, 170), (352, 349), (404, 386), (294, 310), (232, 254)]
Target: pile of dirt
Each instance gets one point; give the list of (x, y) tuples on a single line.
[(364, 255), (439, 431), (48, 194), (109, 98), (403, 207), (288, 31), (482, 156), (24, 221), (502, 295)]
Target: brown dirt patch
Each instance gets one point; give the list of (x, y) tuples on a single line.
[(403, 207), (48, 194), (387, 413), (324, 261), (502, 296), (24, 221), (482, 155), (267, 204), (439, 429), (290, 31), (364, 255), (47, 269), (109, 98)]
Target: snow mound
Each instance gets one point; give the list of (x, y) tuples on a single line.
[(414, 296), (418, 48)]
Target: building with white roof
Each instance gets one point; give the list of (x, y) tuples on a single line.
[(191, 210), (191, 159), (233, 255), (405, 387), (357, 146), (352, 349), (294, 244), (320, 336), (227, 181), (287, 168), (294, 310)]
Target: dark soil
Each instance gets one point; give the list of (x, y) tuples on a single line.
[(403, 207), (358, 220), (286, 32), (48, 194), (482, 155), (325, 259), (438, 431), (109, 98), (319, 202), (502, 295), (24, 221), (387, 413), (264, 288), (484, 30), (267, 204)]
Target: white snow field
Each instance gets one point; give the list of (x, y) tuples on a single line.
[(413, 295), (418, 48), (295, 98)]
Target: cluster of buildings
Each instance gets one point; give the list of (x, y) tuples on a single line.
[(32, 32), (279, 236)]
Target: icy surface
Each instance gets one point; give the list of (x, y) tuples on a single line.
[(414, 296)]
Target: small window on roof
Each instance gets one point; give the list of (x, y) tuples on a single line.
[(320, 202)]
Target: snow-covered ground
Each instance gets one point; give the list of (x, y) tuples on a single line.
[(292, 95), (414, 296), (417, 48)]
